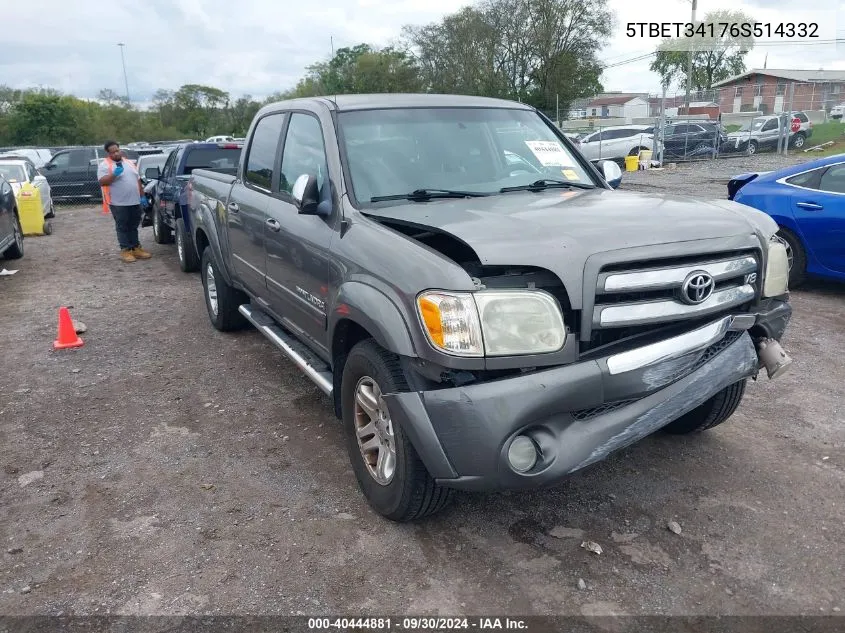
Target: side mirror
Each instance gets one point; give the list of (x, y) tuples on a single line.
[(612, 173), (49, 166), (152, 173), (305, 194)]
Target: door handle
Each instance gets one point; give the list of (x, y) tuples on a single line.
[(234, 208), (273, 225), (810, 206)]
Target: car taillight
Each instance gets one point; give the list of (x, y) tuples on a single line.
[(229, 146)]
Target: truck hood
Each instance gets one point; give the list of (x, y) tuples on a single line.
[(559, 229)]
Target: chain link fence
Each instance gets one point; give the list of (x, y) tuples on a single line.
[(737, 120)]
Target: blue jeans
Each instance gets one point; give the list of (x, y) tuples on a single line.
[(126, 221)]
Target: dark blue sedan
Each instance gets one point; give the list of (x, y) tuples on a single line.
[(808, 203)]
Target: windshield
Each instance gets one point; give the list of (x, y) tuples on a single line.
[(13, 173), (154, 160), (755, 125), (392, 152)]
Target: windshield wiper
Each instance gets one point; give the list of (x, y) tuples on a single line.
[(429, 194), (547, 183)]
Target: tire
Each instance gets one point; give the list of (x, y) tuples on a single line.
[(188, 260), (15, 251), (752, 148), (409, 493), (798, 140), (223, 303), (712, 413), (52, 212), (797, 256), (161, 232)]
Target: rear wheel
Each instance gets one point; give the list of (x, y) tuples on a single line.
[(798, 140), (712, 413), (796, 257), (188, 260), (15, 251), (391, 475), (161, 232), (51, 213), (221, 299)]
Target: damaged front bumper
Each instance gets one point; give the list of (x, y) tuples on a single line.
[(579, 414)]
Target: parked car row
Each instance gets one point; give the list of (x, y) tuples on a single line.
[(685, 139)]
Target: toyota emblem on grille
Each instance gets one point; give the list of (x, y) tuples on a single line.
[(697, 288)]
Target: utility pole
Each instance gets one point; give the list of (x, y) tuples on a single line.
[(557, 108), (662, 126), (689, 61), (125, 80)]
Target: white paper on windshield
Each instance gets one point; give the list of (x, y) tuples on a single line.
[(549, 153)]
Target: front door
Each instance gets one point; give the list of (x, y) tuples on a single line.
[(298, 245), (247, 208), (820, 214)]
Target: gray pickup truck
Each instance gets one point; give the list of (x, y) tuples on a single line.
[(483, 308)]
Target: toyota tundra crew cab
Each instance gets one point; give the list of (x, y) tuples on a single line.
[(481, 305)]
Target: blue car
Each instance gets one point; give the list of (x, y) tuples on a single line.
[(808, 203)]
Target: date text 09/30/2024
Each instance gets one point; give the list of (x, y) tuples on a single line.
[(418, 624)]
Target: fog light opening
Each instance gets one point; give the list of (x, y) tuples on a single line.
[(522, 454)]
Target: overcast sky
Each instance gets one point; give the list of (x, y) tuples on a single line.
[(260, 46)]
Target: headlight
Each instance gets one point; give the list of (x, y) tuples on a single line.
[(520, 322), (451, 322), (495, 323), (777, 269)]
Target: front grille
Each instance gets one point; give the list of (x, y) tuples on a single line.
[(633, 300), (587, 414)]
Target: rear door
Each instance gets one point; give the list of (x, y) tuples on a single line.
[(819, 209), (298, 245), (247, 208)]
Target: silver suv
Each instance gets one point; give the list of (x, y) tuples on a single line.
[(762, 133)]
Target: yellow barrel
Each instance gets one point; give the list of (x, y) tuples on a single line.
[(632, 163), (645, 158), (30, 211)]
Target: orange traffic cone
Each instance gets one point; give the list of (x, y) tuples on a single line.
[(67, 332)]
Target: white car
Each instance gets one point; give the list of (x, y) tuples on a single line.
[(219, 139), (837, 112), (36, 156), (18, 171), (615, 143)]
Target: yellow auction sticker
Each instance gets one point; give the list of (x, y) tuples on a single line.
[(570, 174)]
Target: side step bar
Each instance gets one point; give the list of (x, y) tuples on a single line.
[(309, 363)]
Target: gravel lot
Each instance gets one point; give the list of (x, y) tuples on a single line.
[(167, 468)]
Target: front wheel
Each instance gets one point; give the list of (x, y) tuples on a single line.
[(391, 475), (15, 251), (712, 413), (221, 299), (752, 148), (188, 260), (161, 232)]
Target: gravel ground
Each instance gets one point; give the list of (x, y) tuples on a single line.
[(707, 179), (166, 468)]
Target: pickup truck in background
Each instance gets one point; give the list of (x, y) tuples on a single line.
[(482, 322), (169, 194), (72, 173)]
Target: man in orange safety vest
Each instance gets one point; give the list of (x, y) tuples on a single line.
[(123, 195)]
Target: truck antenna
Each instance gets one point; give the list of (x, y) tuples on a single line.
[(331, 43)]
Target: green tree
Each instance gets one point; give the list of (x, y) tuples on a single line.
[(713, 59)]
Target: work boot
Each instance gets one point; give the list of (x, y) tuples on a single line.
[(140, 253), (126, 255)]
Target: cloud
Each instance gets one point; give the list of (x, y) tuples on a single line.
[(259, 47)]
